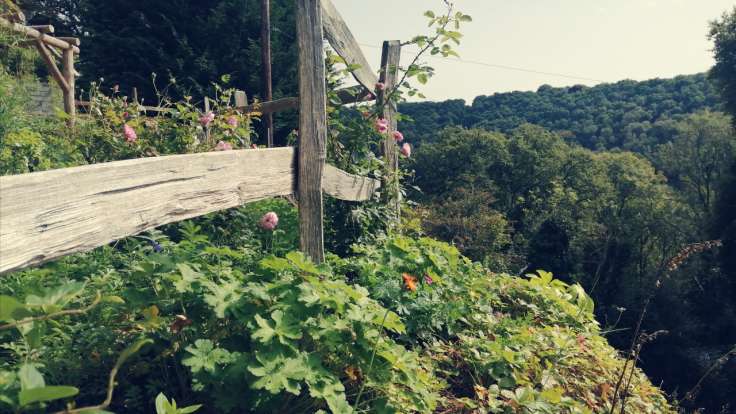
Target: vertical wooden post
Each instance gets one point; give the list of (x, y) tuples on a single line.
[(266, 65), (312, 127), (135, 95), (67, 69), (390, 58), (241, 99)]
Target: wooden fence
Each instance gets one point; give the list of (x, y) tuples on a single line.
[(49, 214)]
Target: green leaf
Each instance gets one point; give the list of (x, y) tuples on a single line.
[(48, 393), (11, 309), (422, 78), (30, 377), (429, 14), (56, 297)]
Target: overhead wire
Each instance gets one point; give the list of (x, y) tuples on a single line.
[(506, 67)]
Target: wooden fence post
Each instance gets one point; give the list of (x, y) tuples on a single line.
[(266, 66), (390, 58), (67, 69), (312, 127)]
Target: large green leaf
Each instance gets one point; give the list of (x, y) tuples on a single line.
[(47, 393)]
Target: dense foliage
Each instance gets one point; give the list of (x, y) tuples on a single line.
[(629, 115)]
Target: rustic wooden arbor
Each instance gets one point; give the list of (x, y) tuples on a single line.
[(47, 45), (49, 214)]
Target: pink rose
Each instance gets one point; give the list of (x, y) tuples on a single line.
[(398, 136), (380, 86), (381, 125), (269, 221), (223, 146), (207, 118), (406, 150), (232, 120), (129, 133), (254, 146)]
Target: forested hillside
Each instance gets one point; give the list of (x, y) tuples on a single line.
[(627, 114)]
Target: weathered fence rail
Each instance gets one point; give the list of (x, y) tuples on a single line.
[(49, 214)]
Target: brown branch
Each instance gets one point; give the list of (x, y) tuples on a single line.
[(127, 353), (53, 315)]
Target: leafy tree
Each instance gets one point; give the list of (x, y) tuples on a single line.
[(723, 35), (696, 160)]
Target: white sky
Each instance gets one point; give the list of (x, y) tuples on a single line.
[(607, 40)]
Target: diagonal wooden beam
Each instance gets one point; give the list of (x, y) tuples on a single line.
[(344, 43), (51, 64)]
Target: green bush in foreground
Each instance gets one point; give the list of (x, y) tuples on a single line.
[(408, 325)]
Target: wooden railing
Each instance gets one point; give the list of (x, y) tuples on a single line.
[(49, 214)]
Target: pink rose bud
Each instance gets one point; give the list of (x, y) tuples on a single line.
[(207, 118), (381, 125), (380, 86), (406, 150), (269, 221), (129, 133), (223, 146), (232, 120), (115, 88), (428, 279), (254, 146), (398, 136)]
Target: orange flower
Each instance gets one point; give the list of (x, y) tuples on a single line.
[(409, 281)]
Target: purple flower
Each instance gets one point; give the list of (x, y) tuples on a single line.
[(207, 118), (269, 221), (406, 150), (232, 120), (223, 146), (129, 133), (428, 279)]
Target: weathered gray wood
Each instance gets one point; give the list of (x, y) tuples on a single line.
[(51, 65), (390, 59), (312, 127), (278, 105), (241, 99), (43, 28), (67, 69), (71, 40), (35, 34), (49, 214), (344, 43), (345, 186)]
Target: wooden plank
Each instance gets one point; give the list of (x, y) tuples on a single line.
[(278, 105), (345, 186), (49, 214), (390, 58), (344, 43), (35, 34), (51, 65), (312, 127)]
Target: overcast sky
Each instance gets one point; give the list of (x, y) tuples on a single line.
[(596, 40)]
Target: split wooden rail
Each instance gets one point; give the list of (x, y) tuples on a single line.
[(49, 214)]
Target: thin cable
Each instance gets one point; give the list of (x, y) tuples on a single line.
[(506, 67)]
